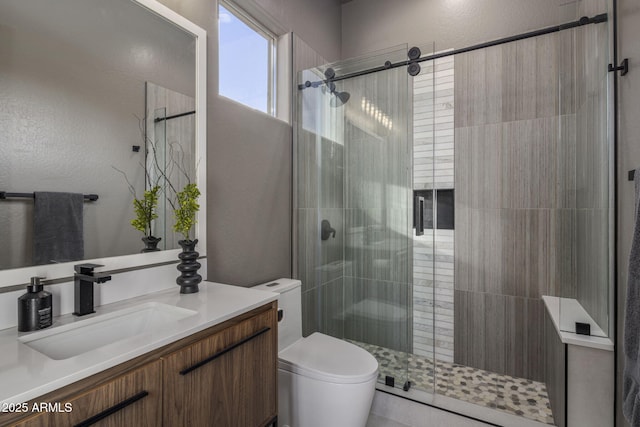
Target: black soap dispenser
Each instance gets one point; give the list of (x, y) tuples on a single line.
[(35, 307)]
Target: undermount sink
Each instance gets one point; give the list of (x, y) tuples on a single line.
[(82, 336)]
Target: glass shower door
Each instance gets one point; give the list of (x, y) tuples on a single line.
[(354, 208)]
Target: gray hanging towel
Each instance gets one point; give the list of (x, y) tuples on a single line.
[(57, 227), (631, 383)]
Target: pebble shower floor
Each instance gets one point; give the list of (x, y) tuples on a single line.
[(513, 395)]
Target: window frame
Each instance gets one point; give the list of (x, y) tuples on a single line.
[(272, 40)]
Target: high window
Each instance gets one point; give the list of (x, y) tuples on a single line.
[(246, 55)]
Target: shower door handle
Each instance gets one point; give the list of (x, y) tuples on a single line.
[(419, 213)]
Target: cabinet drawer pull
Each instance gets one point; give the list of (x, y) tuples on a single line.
[(224, 351), (115, 408)]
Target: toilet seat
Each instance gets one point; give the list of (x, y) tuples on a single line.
[(328, 359)]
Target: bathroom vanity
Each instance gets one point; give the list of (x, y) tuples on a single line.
[(216, 366)]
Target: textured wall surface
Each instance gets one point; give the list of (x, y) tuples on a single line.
[(370, 25)]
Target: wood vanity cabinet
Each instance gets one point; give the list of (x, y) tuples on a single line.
[(227, 379), (224, 376), (129, 400)]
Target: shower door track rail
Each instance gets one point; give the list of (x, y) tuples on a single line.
[(597, 19)]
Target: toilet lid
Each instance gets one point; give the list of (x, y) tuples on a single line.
[(329, 359)]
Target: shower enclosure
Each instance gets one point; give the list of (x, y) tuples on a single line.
[(441, 194)]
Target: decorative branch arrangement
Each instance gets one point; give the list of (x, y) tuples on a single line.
[(184, 204), (158, 183), (187, 209)]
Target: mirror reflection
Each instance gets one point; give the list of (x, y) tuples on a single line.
[(96, 98)]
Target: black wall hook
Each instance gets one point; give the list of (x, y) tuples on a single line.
[(623, 67)]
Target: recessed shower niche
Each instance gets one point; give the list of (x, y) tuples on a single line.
[(437, 206)]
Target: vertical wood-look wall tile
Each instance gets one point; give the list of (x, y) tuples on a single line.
[(463, 167), (461, 95), (494, 82), (515, 321), (476, 88), (331, 174), (547, 75), (562, 253), (332, 306), (592, 272), (565, 163), (492, 178), (463, 251), (567, 71), (535, 339), (518, 234), (309, 312), (524, 338), (509, 82), (526, 87), (492, 251), (307, 184), (461, 333), (495, 326), (308, 247), (476, 341)]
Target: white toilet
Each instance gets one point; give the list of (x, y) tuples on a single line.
[(322, 381)]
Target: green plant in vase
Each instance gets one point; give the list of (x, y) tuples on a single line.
[(185, 214), (145, 211), (158, 185)]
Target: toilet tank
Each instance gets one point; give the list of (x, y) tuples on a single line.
[(290, 302)]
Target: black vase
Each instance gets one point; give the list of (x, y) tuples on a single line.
[(188, 267), (151, 244)]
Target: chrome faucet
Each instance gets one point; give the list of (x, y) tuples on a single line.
[(83, 281)]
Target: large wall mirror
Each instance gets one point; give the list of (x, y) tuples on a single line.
[(101, 98)]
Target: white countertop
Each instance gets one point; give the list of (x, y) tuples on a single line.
[(26, 374), (572, 311)]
